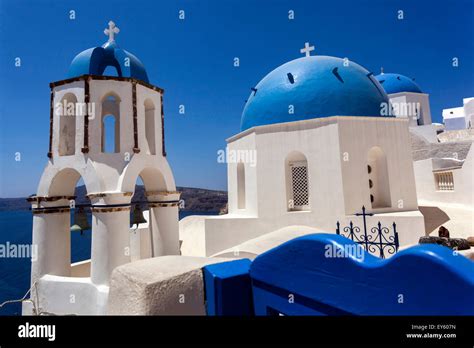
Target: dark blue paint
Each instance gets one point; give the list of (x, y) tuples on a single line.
[(94, 61), (228, 290), (430, 278), (307, 302)]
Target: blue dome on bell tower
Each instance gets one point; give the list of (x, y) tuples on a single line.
[(94, 61)]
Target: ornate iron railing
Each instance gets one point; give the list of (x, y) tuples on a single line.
[(378, 237)]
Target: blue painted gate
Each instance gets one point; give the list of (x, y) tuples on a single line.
[(327, 274)]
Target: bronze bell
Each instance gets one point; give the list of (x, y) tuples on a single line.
[(80, 221), (137, 216)]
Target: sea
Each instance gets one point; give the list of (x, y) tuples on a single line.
[(16, 229)]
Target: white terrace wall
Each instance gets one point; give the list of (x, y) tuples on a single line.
[(463, 178)]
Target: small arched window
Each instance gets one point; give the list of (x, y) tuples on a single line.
[(297, 183), (241, 186), (67, 125), (110, 124), (379, 184), (150, 127)]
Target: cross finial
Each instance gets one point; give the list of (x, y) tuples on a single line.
[(307, 49), (381, 70), (111, 31)]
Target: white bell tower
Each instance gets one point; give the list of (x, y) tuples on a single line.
[(109, 131)]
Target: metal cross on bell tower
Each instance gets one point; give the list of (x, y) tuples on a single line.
[(111, 31)]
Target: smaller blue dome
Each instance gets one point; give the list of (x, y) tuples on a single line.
[(396, 83), (93, 61)]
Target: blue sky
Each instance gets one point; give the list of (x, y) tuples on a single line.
[(192, 60)]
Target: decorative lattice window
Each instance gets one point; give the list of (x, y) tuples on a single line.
[(299, 185), (444, 181)]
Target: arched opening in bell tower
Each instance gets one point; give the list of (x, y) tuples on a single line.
[(72, 224), (150, 219), (110, 124)]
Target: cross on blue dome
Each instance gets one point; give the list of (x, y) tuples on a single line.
[(94, 61), (313, 87)]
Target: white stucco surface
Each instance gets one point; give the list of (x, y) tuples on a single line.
[(166, 285), (456, 135), (427, 132), (418, 105), (58, 295), (256, 246), (459, 221), (459, 117), (463, 178), (336, 150)]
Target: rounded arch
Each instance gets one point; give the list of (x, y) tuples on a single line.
[(69, 96), (378, 178), (297, 182), (153, 179), (147, 168), (111, 95), (61, 248), (149, 104), (295, 156), (162, 237), (62, 181)]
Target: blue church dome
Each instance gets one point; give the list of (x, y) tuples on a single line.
[(313, 87), (396, 83), (94, 61)]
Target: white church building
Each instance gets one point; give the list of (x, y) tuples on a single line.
[(313, 150)]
